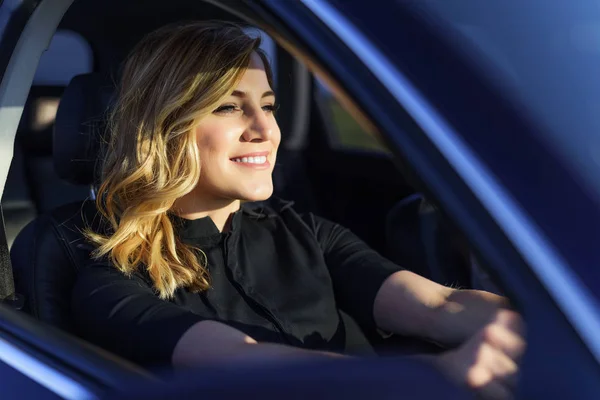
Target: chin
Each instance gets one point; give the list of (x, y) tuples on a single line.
[(257, 194)]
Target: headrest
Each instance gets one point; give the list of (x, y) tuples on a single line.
[(79, 127), (37, 123)]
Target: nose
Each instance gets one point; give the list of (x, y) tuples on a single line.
[(260, 129)]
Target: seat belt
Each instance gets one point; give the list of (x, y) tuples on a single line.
[(7, 283)]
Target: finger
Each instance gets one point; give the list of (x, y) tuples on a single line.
[(491, 364), (479, 376), (510, 320), (495, 391), (502, 367), (505, 340), (485, 375)]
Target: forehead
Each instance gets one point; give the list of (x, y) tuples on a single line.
[(255, 76)]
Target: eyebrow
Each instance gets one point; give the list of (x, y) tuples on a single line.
[(242, 94)]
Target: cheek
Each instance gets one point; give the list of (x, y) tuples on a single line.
[(214, 142)]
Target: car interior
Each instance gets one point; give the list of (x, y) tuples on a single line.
[(327, 163)]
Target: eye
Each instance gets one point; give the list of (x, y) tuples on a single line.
[(270, 108), (226, 109)]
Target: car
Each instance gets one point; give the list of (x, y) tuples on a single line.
[(456, 138)]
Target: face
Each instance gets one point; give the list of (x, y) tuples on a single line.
[(238, 142)]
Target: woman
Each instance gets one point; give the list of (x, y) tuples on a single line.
[(186, 271)]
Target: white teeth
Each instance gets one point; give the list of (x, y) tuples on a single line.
[(251, 160)]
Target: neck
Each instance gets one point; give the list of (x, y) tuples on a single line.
[(191, 206)]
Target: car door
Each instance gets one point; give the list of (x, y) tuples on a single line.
[(388, 82), (479, 156)]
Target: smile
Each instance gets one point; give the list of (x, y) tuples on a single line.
[(251, 160), (256, 161)]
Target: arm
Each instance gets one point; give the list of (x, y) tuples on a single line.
[(409, 304), (212, 341), (379, 294), (123, 315)]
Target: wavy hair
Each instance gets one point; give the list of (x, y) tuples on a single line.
[(171, 79)]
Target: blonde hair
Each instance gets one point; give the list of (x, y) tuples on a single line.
[(171, 79)]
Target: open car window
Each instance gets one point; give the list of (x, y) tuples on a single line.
[(344, 132)]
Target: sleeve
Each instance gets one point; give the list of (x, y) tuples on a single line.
[(124, 316), (356, 270)]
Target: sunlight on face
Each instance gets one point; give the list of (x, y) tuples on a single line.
[(238, 142)]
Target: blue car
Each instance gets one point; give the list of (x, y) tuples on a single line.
[(460, 139)]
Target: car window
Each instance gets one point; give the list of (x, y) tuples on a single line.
[(268, 46), (343, 131), (68, 55)]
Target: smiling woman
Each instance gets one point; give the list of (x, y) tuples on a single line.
[(187, 270), (158, 146)]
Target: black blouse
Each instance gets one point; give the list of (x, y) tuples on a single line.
[(277, 276)]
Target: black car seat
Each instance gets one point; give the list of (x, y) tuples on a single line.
[(418, 239), (32, 185), (48, 189), (47, 252)]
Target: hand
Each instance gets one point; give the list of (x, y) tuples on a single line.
[(488, 362)]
